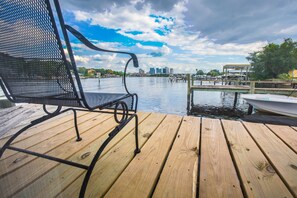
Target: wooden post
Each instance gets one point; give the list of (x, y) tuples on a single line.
[(192, 98), (235, 100), (192, 80), (250, 109), (188, 93), (252, 87)]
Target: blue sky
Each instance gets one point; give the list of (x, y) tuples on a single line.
[(182, 34)]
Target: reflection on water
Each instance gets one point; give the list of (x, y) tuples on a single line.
[(159, 95)]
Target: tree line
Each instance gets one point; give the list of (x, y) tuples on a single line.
[(274, 60), (213, 72), (85, 72)]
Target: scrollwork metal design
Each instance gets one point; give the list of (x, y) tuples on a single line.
[(125, 111), (52, 113)]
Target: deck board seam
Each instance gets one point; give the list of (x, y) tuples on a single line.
[(49, 139), (78, 151), (45, 172), (294, 128), (134, 156), (199, 159), (281, 138), (70, 120), (103, 154), (4, 112), (34, 127), (244, 193), (35, 158), (166, 158), (270, 161)]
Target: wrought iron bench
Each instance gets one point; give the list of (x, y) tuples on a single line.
[(34, 69)]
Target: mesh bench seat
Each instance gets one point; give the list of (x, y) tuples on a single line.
[(101, 100)]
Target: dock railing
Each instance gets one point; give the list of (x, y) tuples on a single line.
[(238, 87)]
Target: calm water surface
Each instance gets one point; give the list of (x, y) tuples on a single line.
[(159, 95)]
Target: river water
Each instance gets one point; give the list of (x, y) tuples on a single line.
[(157, 94)]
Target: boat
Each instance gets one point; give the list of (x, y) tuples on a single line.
[(279, 104)]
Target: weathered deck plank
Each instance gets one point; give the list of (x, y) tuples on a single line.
[(286, 133), (179, 176), (10, 119), (56, 121), (114, 162), (140, 177), (16, 160), (256, 174), (217, 173), (44, 132), (14, 118), (281, 156), (66, 175), (166, 167), (90, 131)]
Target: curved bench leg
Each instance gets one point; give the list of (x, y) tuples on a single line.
[(78, 138), (111, 135), (33, 123), (12, 138), (137, 149)]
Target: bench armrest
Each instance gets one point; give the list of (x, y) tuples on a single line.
[(85, 41)]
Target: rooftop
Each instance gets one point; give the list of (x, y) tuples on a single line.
[(237, 66)]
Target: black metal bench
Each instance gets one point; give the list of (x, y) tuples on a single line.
[(34, 69)]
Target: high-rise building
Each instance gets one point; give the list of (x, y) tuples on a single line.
[(171, 70), (152, 71), (166, 69), (158, 71)]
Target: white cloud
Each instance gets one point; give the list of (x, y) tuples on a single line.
[(127, 20), (210, 48), (146, 47), (81, 59), (103, 45), (289, 30), (164, 50)]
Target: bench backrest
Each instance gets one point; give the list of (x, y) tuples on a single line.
[(33, 67)]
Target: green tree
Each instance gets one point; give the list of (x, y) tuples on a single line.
[(274, 59), (213, 72), (199, 72), (82, 70), (109, 71)]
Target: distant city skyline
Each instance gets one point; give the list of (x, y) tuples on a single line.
[(182, 34), (158, 70)]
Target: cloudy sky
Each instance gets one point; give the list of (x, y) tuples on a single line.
[(181, 34)]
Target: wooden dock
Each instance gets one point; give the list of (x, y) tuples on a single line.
[(251, 88), (180, 157)]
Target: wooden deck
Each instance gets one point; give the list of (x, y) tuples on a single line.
[(180, 157)]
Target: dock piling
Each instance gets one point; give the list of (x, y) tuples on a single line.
[(250, 109), (235, 100), (252, 87), (188, 93)]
